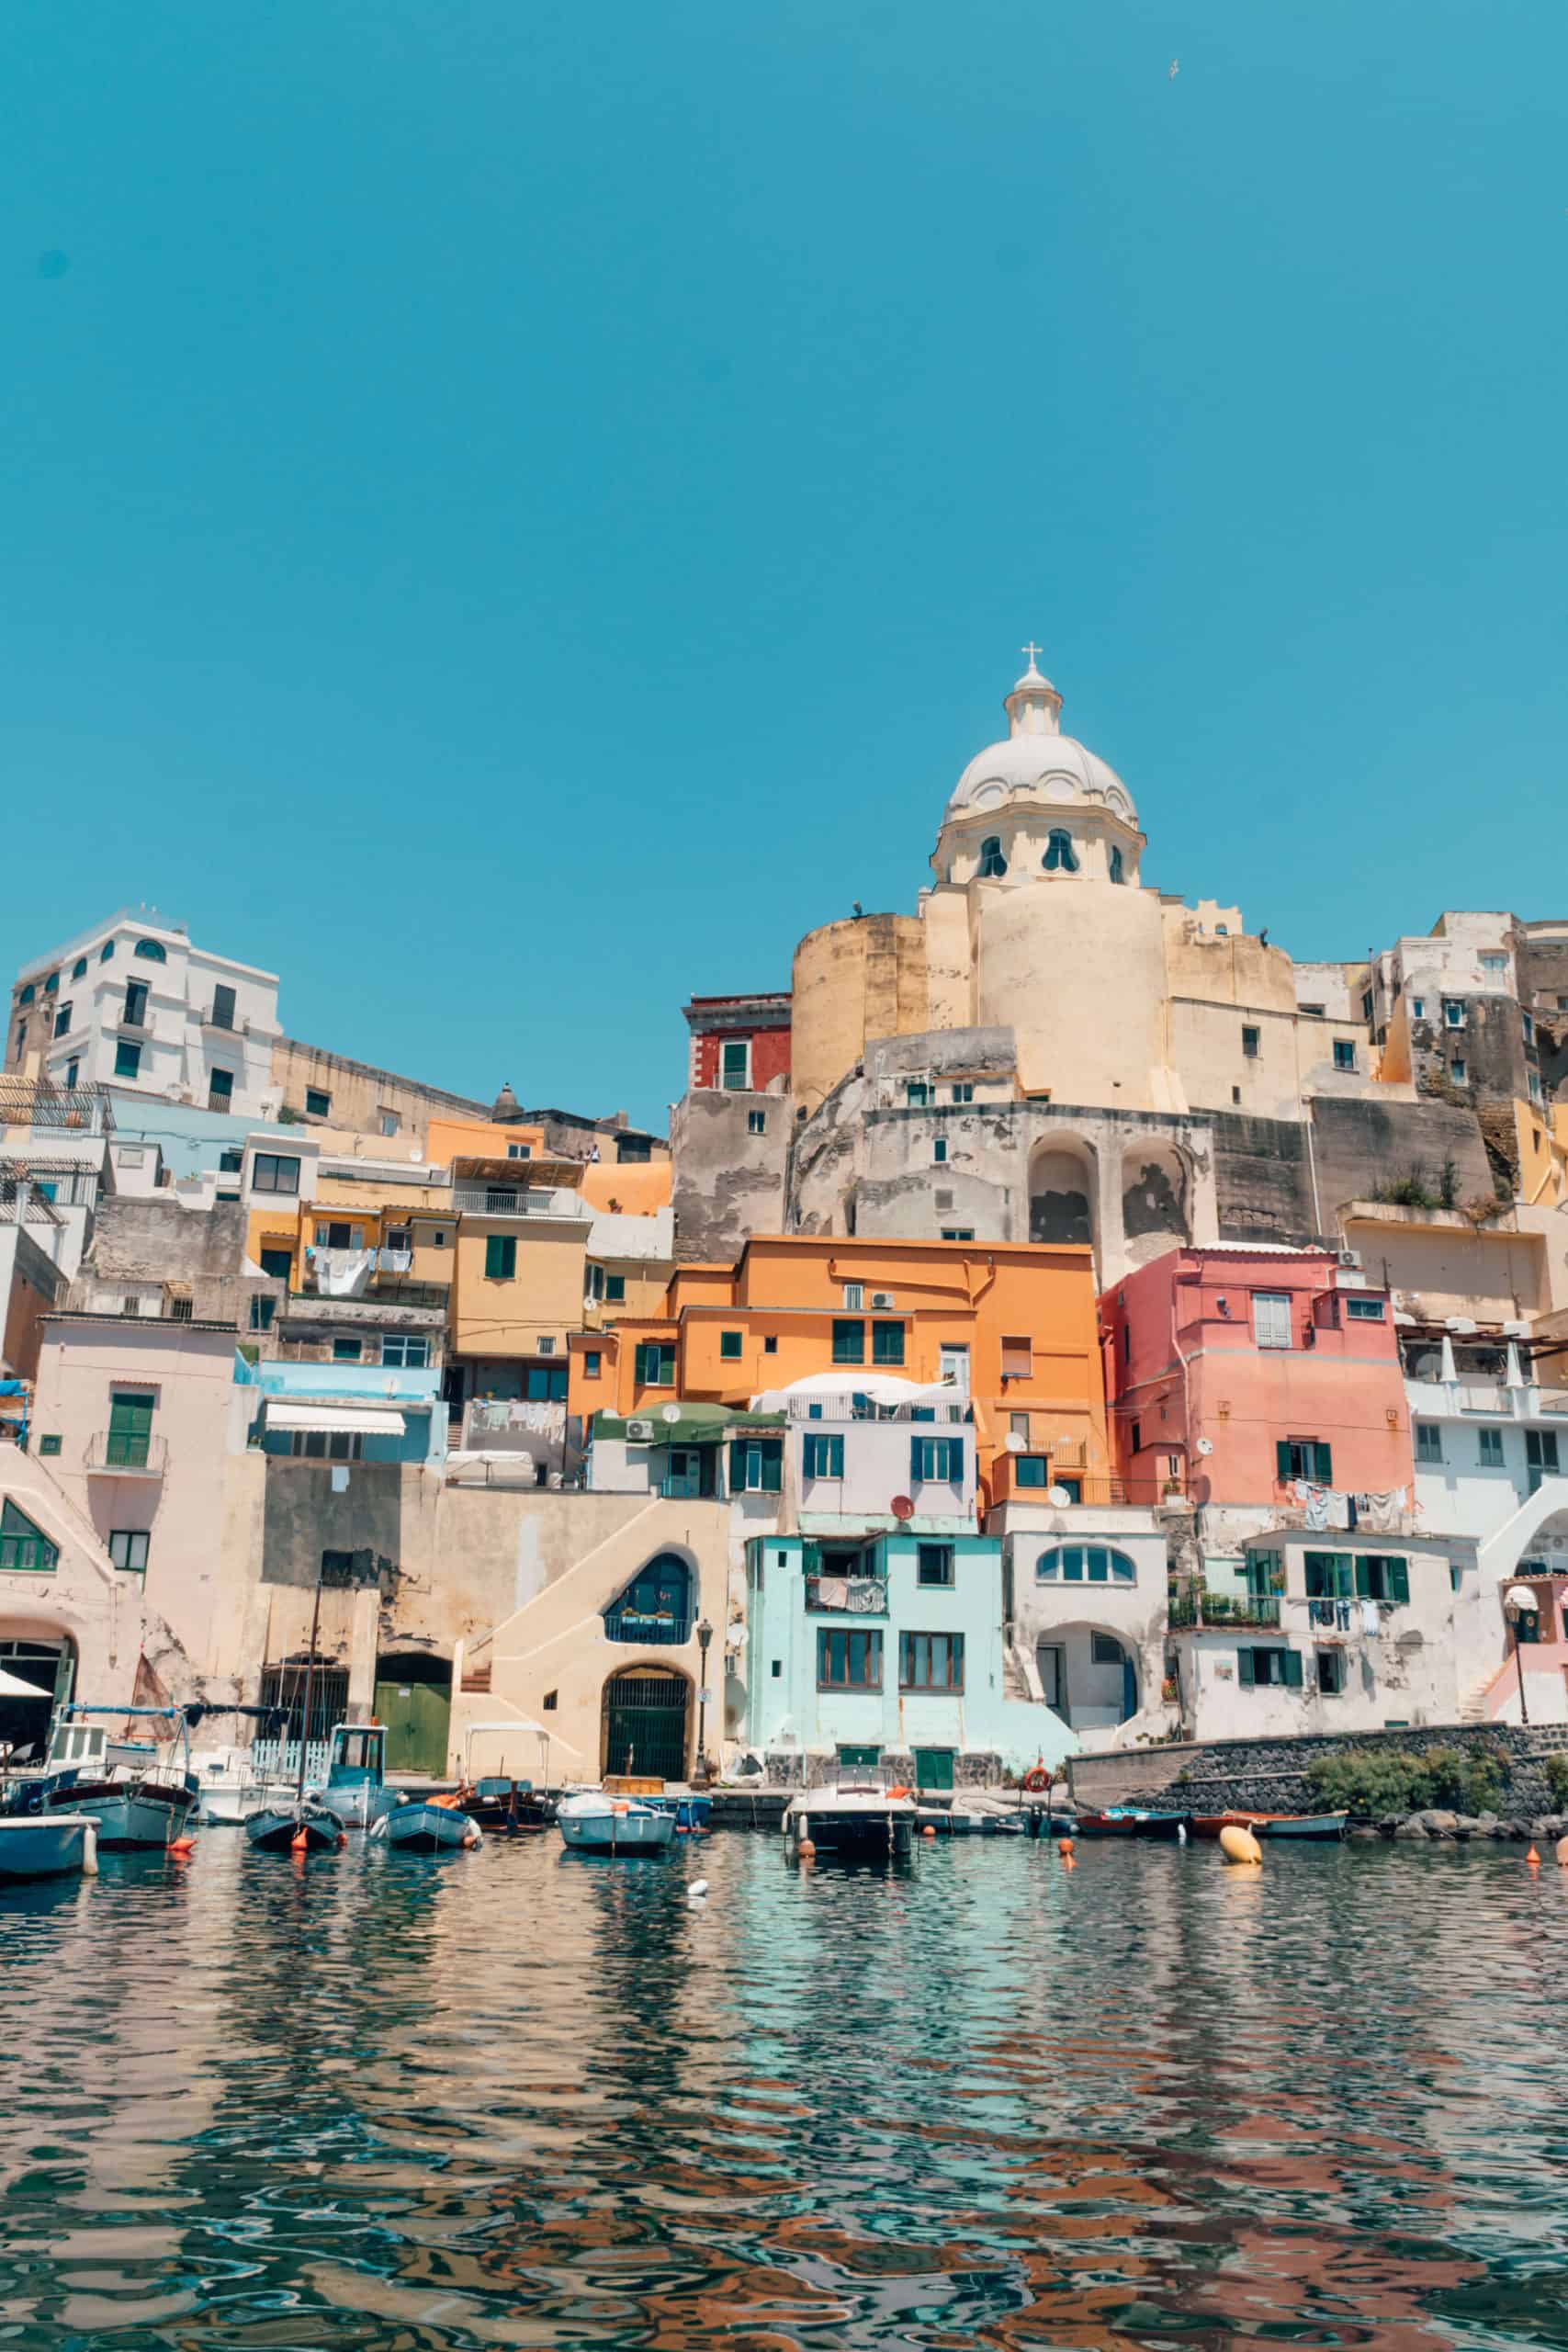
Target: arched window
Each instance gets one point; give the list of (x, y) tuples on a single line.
[(106, 951), (152, 950), (992, 861), (656, 1607), (51, 984), (1060, 856), (27, 994), (78, 967), (1084, 1563), (1117, 872)]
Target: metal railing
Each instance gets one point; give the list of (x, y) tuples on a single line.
[(866, 1408), (132, 1454), (656, 1628), (1483, 1396), (1199, 1606), (236, 1024), (502, 1199)]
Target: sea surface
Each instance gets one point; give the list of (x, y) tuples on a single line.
[(526, 2098)]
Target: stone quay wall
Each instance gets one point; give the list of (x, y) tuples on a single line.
[(1270, 1775)]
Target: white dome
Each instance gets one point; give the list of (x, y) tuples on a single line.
[(1056, 766), (1034, 759)]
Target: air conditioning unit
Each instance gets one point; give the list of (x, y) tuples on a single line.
[(881, 1298), (1350, 1258), (639, 1432)]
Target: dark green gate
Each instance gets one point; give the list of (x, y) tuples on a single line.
[(645, 1724)]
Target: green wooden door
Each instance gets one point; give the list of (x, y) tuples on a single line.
[(416, 1715), (933, 1767), (130, 1432), (860, 1755)]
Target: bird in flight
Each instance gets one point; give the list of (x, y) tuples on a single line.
[(1175, 69)]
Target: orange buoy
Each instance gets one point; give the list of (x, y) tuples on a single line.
[(182, 1847), (1065, 1847), (927, 1830), (1532, 1860), (806, 1849), (1238, 1845), (301, 1842)]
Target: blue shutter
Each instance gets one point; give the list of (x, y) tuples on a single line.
[(1292, 1670), (1282, 1459), (1322, 1465), (1246, 1674)]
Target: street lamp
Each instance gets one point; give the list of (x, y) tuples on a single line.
[(1518, 1601), (702, 1771)]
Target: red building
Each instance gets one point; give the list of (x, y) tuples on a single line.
[(740, 1043)]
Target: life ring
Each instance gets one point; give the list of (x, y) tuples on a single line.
[(1037, 1779)]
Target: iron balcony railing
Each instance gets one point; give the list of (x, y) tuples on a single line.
[(1199, 1606), (659, 1627), (133, 1453), (866, 1408), (503, 1200), (213, 1017)]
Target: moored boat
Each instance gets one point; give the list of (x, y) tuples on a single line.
[(595, 1820), (438, 1827), (1132, 1821), (141, 1796), (51, 1845), (299, 1826), (1311, 1825), (858, 1819), (357, 1787)]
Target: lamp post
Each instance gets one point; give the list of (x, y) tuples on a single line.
[(1518, 1601), (702, 1771)]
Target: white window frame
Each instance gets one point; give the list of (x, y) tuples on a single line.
[(1273, 1322), (735, 1086), (854, 1299)]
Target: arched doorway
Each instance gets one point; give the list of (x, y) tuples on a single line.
[(413, 1698), (647, 1724), (47, 1662), (1155, 1211), (1088, 1676), (1062, 1193)]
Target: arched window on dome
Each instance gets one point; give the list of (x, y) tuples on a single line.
[(1084, 1563), (1118, 872), (1060, 856), (152, 949), (992, 861)]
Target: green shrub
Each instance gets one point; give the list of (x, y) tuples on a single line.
[(1557, 1782), (1374, 1782)]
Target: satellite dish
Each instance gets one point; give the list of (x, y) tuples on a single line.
[(1205, 1445), (901, 1507), (1013, 1442), (671, 1413), (1060, 1499)]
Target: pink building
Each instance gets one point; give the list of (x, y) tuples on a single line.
[(1232, 1372)]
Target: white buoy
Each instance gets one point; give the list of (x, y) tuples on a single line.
[(1181, 1833), (697, 1890)]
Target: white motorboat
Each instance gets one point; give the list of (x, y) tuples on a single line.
[(861, 1818), (594, 1820), (51, 1845), (232, 1787)]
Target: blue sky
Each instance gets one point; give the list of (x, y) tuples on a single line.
[(515, 512)]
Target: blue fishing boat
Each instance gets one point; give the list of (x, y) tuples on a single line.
[(51, 1845), (692, 1813), (434, 1829), (302, 1826), (1132, 1821), (141, 1795), (357, 1787)]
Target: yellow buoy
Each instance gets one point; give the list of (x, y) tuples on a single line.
[(1562, 1853), (1238, 1845)]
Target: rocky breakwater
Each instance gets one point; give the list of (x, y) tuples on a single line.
[(1464, 1828)]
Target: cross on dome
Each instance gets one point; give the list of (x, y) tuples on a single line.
[(1029, 652)]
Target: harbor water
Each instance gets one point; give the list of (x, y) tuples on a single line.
[(530, 2099)]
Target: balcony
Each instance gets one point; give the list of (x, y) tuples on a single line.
[(214, 1016), (657, 1628), (1199, 1607), (1483, 1396), (504, 1200), (851, 1596), (127, 1454)]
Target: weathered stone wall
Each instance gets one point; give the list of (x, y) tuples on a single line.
[(1270, 1775), (728, 1183), (1360, 1145), (1261, 1179), (158, 1240)]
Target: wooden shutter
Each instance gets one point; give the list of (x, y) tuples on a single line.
[(1398, 1575), (1363, 1578), (1292, 1670), (916, 1458), (1322, 1464), (1282, 1460), (1245, 1672)]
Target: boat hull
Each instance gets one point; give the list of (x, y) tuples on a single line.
[(1319, 1828), (427, 1829), (1132, 1821), (51, 1845), (275, 1829), (612, 1833), (229, 1804), (361, 1806), (865, 1835), (130, 1819), (509, 1808)]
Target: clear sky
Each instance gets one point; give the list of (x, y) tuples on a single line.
[(513, 513)]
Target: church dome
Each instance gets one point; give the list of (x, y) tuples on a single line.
[(1035, 759)]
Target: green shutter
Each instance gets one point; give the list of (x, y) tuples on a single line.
[(917, 1459), (772, 1467), (1322, 1465), (1398, 1575), (1246, 1674), (501, 1257), (1282, 1459), (1363, 1578), (1292, 1670)]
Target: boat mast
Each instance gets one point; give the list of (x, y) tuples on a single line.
[(310, 1679)]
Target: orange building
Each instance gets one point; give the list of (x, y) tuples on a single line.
[(1013, 1325)]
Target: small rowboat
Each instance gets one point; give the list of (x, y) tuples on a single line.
[(431, 1828), (1320, 1825), (302, 1827), (1131, 1821), (53, 1845)]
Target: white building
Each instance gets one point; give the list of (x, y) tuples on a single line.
[(133, 1003), (1084, 1592)]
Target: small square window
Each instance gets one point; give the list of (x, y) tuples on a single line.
[(388, 1123), (49, 1445), (730, 1345), (1364, 1310), (771, 1344), (854, 1297), (958, 1233), (1251, 1043), (615, 1290), (317, 1104), (963, 1092), (346, 1350), (591, 1361), (933, 1564), (939, 1150), (756, 1123), (126, 1058), (1457, 1070), (1428, 1442), (1419, 1008), (231, 1161), (1343, 1053), (1491, 1449)]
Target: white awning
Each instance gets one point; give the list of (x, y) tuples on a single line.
[(342, 1421)]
